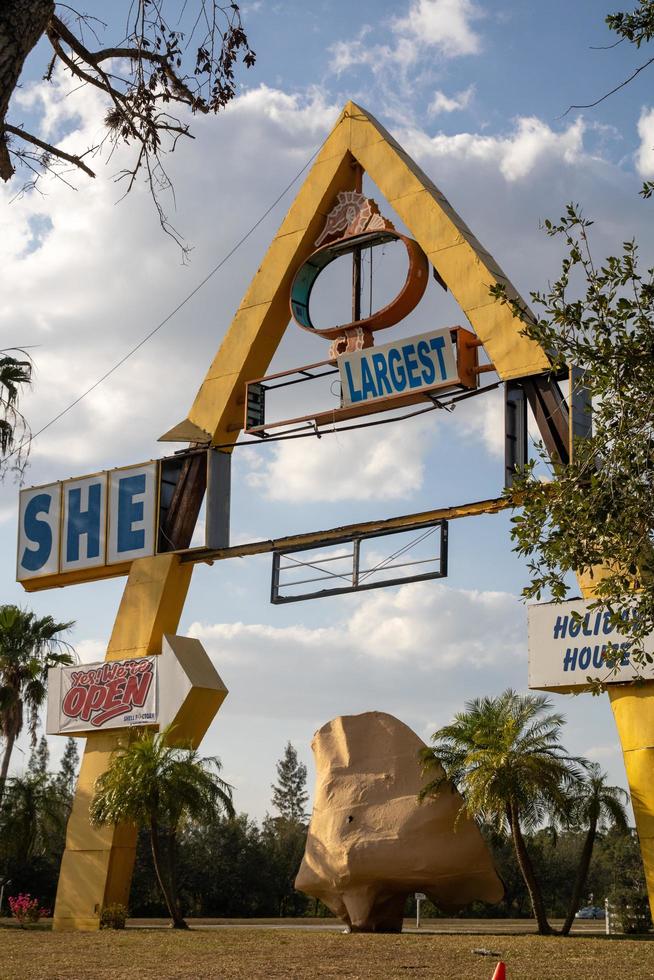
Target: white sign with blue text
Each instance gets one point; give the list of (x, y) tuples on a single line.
[(402, 367), (565, 650), (104, 519)]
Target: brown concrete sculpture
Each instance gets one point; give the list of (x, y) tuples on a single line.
[(371, 844)]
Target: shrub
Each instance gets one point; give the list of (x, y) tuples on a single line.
[(26, 909), (631, 907), (113, 916)]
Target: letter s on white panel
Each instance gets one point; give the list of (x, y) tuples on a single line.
[(38, 532)]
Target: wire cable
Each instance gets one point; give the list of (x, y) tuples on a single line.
[(319, 433), (28, 441)]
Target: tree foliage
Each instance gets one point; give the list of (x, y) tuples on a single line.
[(29, 646), (33, 816), (289, 794), (595, 515), (15, 374), (505, 757), (153, 784), (169, 62)]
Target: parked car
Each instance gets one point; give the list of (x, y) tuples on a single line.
[(591, 912)]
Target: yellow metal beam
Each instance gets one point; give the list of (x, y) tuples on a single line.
[(633, 710), (309, 538), (96, 868), (467, 268)]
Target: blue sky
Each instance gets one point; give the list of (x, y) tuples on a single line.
[(476, 93)]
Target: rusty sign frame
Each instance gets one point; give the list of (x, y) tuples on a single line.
[(357, 585), (466, 347)]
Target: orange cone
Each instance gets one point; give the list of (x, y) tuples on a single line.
[(500, 972)]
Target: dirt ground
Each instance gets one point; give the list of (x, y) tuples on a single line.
[(234, 953)]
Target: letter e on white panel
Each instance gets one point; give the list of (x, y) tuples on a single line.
[(132, 508), (83, 533), (38, 532)]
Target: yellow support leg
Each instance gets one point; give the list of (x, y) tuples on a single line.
[(633, 710), (97, 865)]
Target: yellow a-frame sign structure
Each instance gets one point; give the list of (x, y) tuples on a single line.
[(97, 864)]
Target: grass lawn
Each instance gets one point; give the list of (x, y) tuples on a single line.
[(249, 953)]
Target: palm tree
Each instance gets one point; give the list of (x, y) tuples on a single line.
[(29, 646), (14, 372), (504, 756), (593, 805), (33, 815), (155, 785)]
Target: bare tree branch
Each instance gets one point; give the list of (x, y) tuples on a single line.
[(163, 69), (54, 151), (591, 105)]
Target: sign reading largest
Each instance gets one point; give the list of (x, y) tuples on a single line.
[(566, 650), (407, 365), (104, 519)]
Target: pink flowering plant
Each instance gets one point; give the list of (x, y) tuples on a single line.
[(26, 909)]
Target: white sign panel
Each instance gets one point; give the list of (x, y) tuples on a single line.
[(565, 652), (132, 496), (94, 697), (148, 691), (85, 505), (104, 519), (38, 532), (399, 368)]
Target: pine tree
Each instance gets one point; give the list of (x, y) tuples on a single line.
[(68, 769), (289, 795), (39, 759)]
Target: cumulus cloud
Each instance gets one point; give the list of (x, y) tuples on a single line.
[(444, 25), (645, 154), (530, 144), (430, 27), (446, 103), (384, 464), (98, 275), (428, 625)]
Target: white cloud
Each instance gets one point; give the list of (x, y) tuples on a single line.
[(445, 103), (104, 274), (381, 464), (445, 25), (428, 625), (430, 27), (531, 144), (645, 154), (484, 422), (90, 651)]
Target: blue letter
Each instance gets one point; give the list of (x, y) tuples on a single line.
[(355, 394), (37, 531), (398, 377), (560, 627), (575, 626), (437, 344), (411, 365), (570, 659), (130, 511), (83, 522), (367, 382), (429, 371), (381, 373)]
